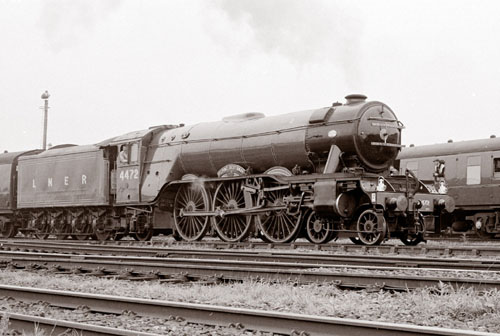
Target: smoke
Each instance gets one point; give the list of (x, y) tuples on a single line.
[(65, 23), (304, 32)]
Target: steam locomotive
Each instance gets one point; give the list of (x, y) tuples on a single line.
[(316, 174)]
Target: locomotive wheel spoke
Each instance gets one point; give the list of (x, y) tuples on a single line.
[(278, 226), (191, 197), (371, 228), (231, 228)]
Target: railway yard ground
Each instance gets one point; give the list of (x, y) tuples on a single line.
[(227, 305)]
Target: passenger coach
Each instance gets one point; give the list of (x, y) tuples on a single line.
[(472, 173)]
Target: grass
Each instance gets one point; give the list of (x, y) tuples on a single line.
[(442, 307)]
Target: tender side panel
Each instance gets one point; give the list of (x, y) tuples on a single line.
[(68, 180)]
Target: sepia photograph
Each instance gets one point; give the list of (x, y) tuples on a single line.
[(249, 167)]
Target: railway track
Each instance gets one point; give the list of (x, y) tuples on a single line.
[(465, 249), (212, 270), (285, 258), (244, 319)]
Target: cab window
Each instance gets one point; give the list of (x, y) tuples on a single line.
[(473, 170), (134, 152), (123, 154)]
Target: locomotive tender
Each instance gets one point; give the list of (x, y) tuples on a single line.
[(472, 172), (316, 173)]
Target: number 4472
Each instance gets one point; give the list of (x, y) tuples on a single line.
[(129, 174)]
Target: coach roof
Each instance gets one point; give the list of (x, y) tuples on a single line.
[(450, 148)]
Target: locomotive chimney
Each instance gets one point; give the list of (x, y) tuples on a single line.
[(355, 98)]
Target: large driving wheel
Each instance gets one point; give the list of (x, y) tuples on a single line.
[(319, 230), (191, 197), (371, 227), (231, 228), (278, 226)]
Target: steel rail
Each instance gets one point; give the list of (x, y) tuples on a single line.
[(231, 271), (325, 260), (422, 249), (27, 324), (281, 261), (247, 319)]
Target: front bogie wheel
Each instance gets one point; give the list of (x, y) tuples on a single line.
[(319, 230), (371, 227)]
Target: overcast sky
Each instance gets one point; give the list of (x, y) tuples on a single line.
[(115, 66)]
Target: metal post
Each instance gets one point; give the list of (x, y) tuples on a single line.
[(45, 96)]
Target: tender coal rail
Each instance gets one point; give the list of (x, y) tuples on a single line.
[(307, 260), (221, 270), (244, 319)]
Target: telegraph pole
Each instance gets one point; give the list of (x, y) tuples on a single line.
[(45, 96)]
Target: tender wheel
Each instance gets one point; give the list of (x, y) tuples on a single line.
[(319, 230), (371, 228), (191, 197), (231, 228), (102, 235), (81, 230), (8, 229), (412, 239), (61, 230), (42, 229), (277, 226)]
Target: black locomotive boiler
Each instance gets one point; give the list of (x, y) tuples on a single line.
[(319, 173)]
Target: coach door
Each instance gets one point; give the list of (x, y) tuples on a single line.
[(128, 172)]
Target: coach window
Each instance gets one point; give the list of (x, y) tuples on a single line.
[(496, 167), (474, 170)]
